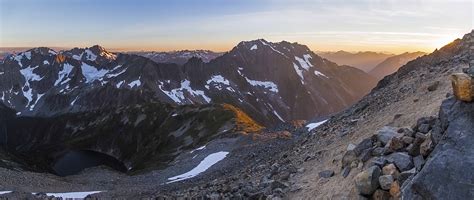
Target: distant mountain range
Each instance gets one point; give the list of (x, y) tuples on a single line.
[(392, 64), (272, 82), (365, 61), (178, 57)]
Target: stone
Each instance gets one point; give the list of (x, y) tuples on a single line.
[(345, 172), (407, 140), (378, 151), (326, 173), (433, 86), (366, 155), (350, 147), (363, 145), (395, 144), (402, 160), (380, 195), (386, 133), (378, 161), (390, 169), (348, 158), (414, 148), (427, 146), (385, 181), (406, 131), (462, 86), (395, 190), (424, 128), (402, 177), (367, 181), (418, 161)]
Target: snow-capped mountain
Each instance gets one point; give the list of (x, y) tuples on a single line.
[(272, 82), (178, 57)]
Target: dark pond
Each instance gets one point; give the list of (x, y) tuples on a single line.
[(75, 161)]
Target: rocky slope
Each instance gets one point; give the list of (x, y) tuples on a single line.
[(272, 82), (178, 57), (392, 64), (365, 61), (314, 165)]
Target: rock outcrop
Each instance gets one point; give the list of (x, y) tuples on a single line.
[(448, 172)]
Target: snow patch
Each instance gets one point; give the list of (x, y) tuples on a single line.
[(218, 81), (135, 83), (279, 117), (74, 101), (119, 84), (254, 47), (315, 125), (67, 68), (177, 94), (91, 73), (202, 167), (29, 75), (198, 149), (271, 47), (5, 192), (72, 195), (266, 84), (299, 72), (45, 62), (38, 97), (90, 55)]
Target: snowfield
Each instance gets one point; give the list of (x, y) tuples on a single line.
[(72, 195), (202, 167)]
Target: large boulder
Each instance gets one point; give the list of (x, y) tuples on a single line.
[(462, 86), (368, 181), (448, 172)]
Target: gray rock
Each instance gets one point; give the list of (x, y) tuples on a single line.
[(378, 161), (368, 181), (345, 171), (427, 146), (418, 161), (385, 181), (365, 144), (402, 177), (424, 128), (408, 139), (402, 160), (366, 155), (379, 151), (387, 133), (348, 158), (326, 173), (449, 172)]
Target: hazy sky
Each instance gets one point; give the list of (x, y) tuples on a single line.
[(376, 25)]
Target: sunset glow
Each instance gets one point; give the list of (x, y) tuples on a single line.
[(393, 26)]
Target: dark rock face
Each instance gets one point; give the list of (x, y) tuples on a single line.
[(138, 137), (272, 82), (448, 172)]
